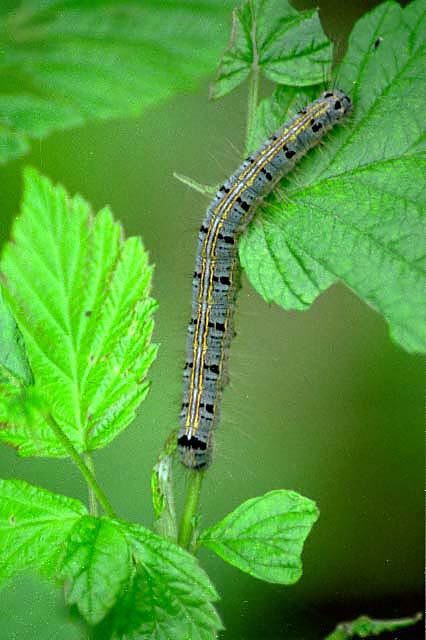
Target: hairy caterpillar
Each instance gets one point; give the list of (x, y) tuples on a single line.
[(216, 267)]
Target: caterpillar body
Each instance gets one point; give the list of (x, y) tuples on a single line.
[(217, 269)]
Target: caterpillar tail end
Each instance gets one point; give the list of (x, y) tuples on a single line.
[(193, 451)]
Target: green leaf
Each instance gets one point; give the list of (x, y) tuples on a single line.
[(97, 565), (80, 294), (169, 597), (163, 501), (287, 46), (63, 64), (34, 526), (363, 627), (14, 365), (264, 536), (118, 574), (354, 210)]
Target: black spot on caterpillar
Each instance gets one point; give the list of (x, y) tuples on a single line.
[(216, 267)]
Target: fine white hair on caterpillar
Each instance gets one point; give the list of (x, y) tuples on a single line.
[(216, 273)]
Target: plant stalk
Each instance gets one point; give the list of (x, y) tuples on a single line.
[(93, 503), (87, 474), (253, 96), (253, 91), (187, 524)]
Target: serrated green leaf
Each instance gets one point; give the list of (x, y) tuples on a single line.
[(285, 45), (14, 365), (34, 526), (80, 293), (354, 210), (364, 627), (64, 64), (265, 536), (97, 565), (170, 597)]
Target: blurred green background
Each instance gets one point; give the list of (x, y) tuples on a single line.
[(320, 402)]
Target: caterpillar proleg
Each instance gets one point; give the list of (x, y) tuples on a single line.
[(217, 269)]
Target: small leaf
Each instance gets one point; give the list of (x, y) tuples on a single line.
[(163, 501), (354, 208), (169, 598), (264, 536), (286, 45), (80, 293), (364, 627), (63, 64), (14, 365), (97, 565), (34, 526)]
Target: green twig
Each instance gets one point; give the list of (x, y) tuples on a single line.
[(253, 91), (81, 465), (187, 524), (253, 95), (93, 503)]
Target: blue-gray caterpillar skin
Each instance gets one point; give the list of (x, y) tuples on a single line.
[(216, 270)]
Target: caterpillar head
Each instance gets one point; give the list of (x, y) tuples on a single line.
[(339, 101)]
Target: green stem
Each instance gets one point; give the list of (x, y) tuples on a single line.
[(192, 499), (93, 503), (253, 95), (82, 466), (253, 91)]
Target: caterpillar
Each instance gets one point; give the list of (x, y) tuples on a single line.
[(216, 271)]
